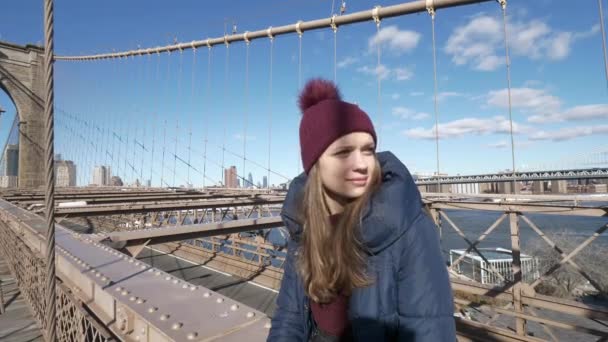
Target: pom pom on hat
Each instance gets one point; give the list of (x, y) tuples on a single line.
[(317, 90)]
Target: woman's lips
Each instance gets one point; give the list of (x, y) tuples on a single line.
[(359, 181)]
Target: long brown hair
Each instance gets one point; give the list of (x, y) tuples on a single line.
[(332, 259)]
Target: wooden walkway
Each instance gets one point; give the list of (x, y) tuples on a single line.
[(16, 323)]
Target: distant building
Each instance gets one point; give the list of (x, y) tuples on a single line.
[(65, 173), (264, 182), (230, 177), (116, 181), (249, 180), (149, 183), (11, 160), (8, 181), (101, 175)]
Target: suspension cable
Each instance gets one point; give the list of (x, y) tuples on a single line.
[(377, 20), (154, 122), (192, 94), (299, 31), (270, 112), (179, 96), (431, 11), (208, 98), (503, 5), (601, 10), (246, 102), (334, 28), (162, 167), (50, 310), (226, 70)]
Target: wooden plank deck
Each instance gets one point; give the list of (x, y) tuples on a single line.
[(16, 323)]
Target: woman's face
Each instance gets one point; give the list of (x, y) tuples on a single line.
[(347, 165)]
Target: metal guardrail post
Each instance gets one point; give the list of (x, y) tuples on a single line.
[(520, 323)]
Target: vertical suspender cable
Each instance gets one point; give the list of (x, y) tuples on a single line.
[(226, 69), (162, 167), (192, 94), (246, 104), (270, 113), (206, 123), (49, 200), (379, 99), (431, 10), (179, 95), (601, 10), (154, 122), (298, 160), (335, 29), (503, 5)]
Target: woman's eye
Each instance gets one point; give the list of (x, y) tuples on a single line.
[(343, 153)]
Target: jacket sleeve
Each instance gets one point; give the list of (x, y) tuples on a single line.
[(288, 319), (425, 302)]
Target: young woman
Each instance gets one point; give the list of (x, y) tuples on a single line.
[(364, 260)]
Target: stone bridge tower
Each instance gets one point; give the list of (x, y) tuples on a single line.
[(22, 78)]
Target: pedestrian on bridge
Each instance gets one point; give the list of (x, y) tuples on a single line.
[(364, 260)]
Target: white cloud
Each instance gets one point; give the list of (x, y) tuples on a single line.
[(406, 113), (480, 44), (544, 107), (416, 93), (467, 126), (384, 72), (395, 40), (379, 71), (578, 113), (346, 62), (403, 74), (239, 136), (447, 94), (524, 98), (500, 144), (569, 133), (395, 96)]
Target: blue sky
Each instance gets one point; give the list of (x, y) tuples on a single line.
[(560, 110)]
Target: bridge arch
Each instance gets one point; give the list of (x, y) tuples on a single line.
[(22, 78)]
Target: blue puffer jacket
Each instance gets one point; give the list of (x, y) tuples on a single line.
[(411, 297)]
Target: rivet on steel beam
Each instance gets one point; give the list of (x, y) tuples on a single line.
[(157, 273), (104, 278), (97, 274), (167, 278), (151, 270), (124, 293), (164, 317), (131, 261), (267, 325), (234, 307), (192, 288), (206, 294), (176, 326), (132, 298), (137, 263), (118, 289), (250, 314), (192, 335), (175, 281), (152, 309), (220, 300), (140, 301), (185, 286), (143, 267)]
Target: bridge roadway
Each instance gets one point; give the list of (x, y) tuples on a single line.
[(256, 296)]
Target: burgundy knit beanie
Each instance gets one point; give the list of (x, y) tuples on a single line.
[(325, 118)]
